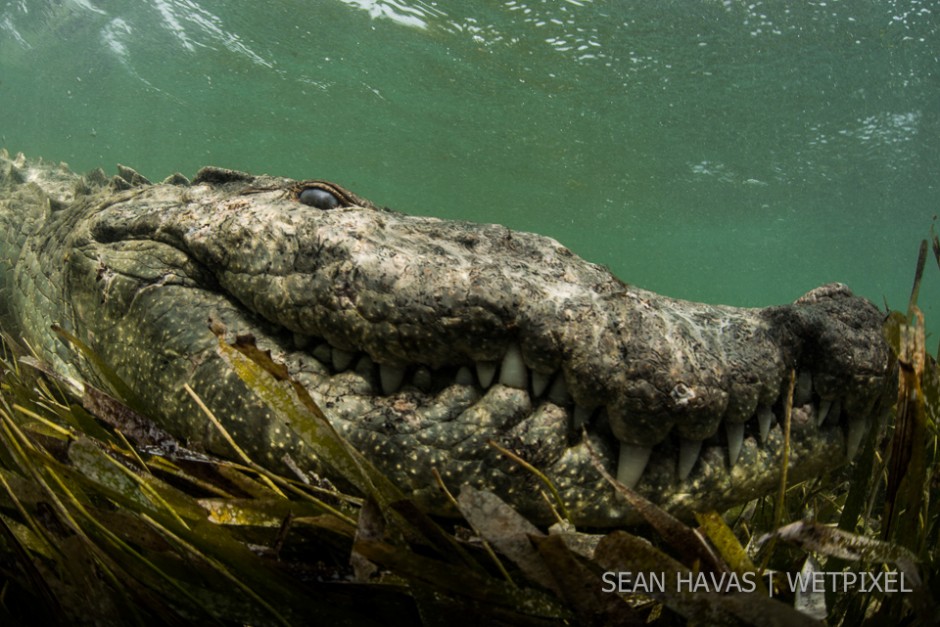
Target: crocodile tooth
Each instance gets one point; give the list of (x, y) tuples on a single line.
[(422, 378), (558, 393), (632, 463), (765, 418), (464, 376), (582, 416), (365, 368), (342, 359), (735, 433), (540, 381), (391, 377), (513, 372), (486, 370), (688, 455), (301, 341), (854, 436), (835, 411), (323, 353), (822, 411), (804, 389)]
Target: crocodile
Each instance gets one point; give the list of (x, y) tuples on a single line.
[(425, 339)]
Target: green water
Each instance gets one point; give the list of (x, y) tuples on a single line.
[(729, 152)]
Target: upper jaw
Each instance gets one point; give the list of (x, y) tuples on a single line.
[(412, 292)]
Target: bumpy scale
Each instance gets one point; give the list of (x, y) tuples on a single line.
[(422, 339)]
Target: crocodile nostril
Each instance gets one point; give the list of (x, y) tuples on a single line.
[(319, 198)]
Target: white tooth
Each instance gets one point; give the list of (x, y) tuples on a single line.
[(854, 437), (464, 376), (323, 354), (582, 415), (486, 370), (765, 418), (735, 433), (391, 377), (804, 389), (365, 366), (632, 463), (302, 341), (342, 359), (422, 378), (540, 381), (688, 455), (822, 412), (619, 422), (558, 393), (513, 372), (835, 411)]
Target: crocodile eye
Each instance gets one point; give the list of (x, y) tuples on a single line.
[(319, 198)]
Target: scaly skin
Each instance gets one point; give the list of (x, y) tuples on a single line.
[(394, 324)]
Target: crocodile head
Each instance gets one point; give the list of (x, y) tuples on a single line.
[(422, 339)]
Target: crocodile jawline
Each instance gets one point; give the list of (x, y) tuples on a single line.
[(422, 339)]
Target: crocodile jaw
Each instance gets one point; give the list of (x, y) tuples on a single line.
[(423, 339)]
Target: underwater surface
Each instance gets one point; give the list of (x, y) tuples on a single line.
[(728, 152)]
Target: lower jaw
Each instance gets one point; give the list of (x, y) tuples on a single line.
[(408, 434), (712, 485)]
